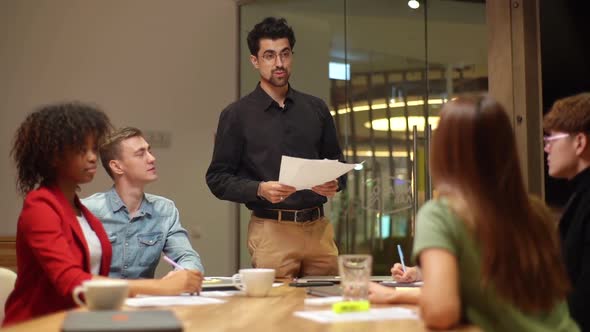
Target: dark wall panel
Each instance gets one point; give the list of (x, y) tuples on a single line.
[(565, 64)]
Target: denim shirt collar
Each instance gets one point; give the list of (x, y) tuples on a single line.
[(116, 203)]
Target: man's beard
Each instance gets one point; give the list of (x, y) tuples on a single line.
[(279, 82)]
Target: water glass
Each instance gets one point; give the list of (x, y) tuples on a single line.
[(355, 274)]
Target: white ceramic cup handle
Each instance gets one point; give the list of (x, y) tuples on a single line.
[(76, 295), (234, 279)]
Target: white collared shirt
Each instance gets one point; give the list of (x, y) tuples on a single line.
[(93, 245)]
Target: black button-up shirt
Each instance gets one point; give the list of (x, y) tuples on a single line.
[(252, 136)]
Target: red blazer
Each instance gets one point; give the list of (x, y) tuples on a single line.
[(52, 255)]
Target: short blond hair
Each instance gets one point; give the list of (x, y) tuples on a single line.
[(111, 148)]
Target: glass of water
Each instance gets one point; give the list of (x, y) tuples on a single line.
[(355, 273)]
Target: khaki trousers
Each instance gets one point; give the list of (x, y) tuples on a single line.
[(293, 249)]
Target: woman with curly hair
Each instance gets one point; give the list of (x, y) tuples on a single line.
[(59, 243)]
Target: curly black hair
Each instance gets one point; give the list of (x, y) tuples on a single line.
[(271, 28), (47, 133)]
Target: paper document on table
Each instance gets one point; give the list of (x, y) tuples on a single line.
[(221, 293), (328, 316), (306, 173), (164, 301), (322, 300), (391, 283)]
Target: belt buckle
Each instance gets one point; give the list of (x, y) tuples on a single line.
[(306, 212), (295, 215)]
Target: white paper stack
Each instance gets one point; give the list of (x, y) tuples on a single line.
[(306, 173), (328, 316), (164, 301)]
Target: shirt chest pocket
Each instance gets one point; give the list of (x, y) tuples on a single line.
[(150, 248)]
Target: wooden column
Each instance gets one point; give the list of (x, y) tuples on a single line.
[(515, 78), (8, 252)]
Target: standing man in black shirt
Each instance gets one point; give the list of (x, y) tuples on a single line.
[(568, 157), (288, 230)]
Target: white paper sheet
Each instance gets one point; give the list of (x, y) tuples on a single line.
[(391, 283), (306, 173), (221, 293), (209, 293), (322, 300), (328, 316), (164, 301)]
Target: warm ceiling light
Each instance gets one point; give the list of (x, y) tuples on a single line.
[(378, 153), (398, 123), (393, 104), (413, 4)]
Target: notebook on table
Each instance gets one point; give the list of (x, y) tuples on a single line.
[(326, 291), (223, 284), (218, 284), (336, 279), (127, 321), (336, 290)]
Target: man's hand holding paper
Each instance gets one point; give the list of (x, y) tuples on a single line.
[(274, 192), (327, 189), (317, 175)]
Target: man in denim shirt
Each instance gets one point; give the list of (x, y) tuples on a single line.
[(140, 226)]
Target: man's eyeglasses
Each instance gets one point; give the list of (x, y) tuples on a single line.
[(272, 56), (549, 139)]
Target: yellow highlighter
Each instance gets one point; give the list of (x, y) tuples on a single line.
[(351, 306)]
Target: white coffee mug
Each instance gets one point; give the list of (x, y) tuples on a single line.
[(102, 294), (254, 282)]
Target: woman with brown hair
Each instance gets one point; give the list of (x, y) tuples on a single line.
[(488, 254)]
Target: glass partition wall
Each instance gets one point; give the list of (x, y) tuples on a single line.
[(385, 69)]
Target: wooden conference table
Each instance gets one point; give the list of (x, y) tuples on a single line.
[(240, 313)]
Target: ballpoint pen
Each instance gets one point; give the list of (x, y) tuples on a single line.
[(173, 263), (401, 257)]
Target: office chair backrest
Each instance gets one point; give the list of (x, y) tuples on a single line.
[(7, 279)]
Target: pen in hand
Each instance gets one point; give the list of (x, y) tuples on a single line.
[(401, 257), (176, 265), (173, 263)]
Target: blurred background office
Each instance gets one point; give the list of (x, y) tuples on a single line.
[(382, 66)]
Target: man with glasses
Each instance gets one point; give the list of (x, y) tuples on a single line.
[(568, 157), (288, 230)]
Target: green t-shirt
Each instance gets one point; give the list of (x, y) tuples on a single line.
[(439, 227)]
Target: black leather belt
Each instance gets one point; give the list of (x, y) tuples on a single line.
[(291, 215)]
